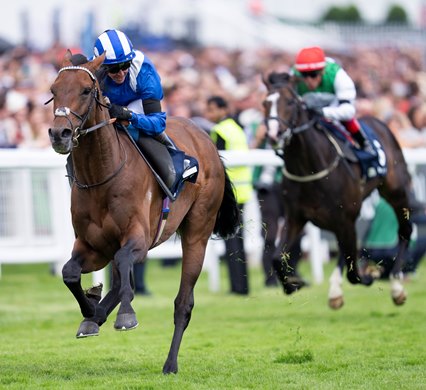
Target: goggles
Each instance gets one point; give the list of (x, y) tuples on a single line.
[(312, 74), (114, 69)]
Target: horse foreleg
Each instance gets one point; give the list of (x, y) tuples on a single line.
[(284, 266), (184, 301), (71, 275), (124, 260), (111, 299), (347, 241)]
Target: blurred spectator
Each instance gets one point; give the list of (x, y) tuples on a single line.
[(405, 133), (228, 135)]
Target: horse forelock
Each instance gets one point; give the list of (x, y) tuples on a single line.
[(277, 80)]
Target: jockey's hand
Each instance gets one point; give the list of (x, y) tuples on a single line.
[(120, 112), (315, 112)]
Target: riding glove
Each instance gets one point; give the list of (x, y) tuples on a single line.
[(120, 112), (315, 112)]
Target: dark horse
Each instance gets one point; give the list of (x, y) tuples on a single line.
[(320, 185), (116, 204)]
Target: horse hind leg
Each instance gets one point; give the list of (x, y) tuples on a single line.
[(335, 292), (398, 293), (193, 255), (399, 202)]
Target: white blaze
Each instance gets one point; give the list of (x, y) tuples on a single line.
[(273, 124)]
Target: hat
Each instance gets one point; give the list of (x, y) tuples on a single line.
[(310, 58), (117, 45)]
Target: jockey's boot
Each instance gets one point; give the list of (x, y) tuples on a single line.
[(156, 149), (165, 140), (358, 135)]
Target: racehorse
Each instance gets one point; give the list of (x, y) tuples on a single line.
[(320, 185), (117, 204)]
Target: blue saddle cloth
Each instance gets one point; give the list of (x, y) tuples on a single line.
[(186, 168), (372, 165)]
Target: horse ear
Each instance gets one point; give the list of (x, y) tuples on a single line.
[(98, 61), (67, 58)]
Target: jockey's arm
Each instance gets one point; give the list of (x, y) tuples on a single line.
[(345, 94)]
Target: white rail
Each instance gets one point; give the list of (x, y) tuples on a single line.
[(35, 221)]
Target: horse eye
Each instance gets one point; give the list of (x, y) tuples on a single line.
[(86, 91)]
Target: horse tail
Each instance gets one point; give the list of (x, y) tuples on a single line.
[(228, 217)]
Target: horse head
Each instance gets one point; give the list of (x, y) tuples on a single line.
[(75, 94), (284, 109)]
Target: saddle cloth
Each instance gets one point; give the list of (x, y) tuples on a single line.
[(372, 165)]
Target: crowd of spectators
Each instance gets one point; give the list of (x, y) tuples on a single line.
[(391, 85)]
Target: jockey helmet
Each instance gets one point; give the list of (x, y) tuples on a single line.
[(309, 59), (117, 45)]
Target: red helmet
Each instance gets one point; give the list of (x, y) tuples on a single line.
[(310, 58)]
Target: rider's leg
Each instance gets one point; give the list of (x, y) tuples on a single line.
[(357, 133)]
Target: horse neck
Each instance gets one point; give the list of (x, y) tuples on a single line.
[(307, 152), (98, 153)]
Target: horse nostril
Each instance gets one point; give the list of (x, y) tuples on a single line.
[(60, 133), (66, 133)]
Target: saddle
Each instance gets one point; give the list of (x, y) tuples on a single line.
[(171, 164), (372, 165)]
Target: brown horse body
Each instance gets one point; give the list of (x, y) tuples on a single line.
[(321, 186), (116, 204)]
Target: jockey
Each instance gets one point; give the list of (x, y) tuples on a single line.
[(130, 81), (327, 88)]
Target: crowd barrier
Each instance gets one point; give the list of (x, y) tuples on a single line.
[(35, 221)]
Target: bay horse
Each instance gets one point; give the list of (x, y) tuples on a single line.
[(116, 203), (320, 185)]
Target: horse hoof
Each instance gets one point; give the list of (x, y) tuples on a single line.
[(336, 303), (367, 279), (170, 368), (294, 284), (400, 299), (87, 329), (126, 321)]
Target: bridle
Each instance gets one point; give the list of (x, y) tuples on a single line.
[(66, 111), (78, 131), (292, 127)]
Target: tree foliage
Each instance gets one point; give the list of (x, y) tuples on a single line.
[(349, 14), (396, 14)]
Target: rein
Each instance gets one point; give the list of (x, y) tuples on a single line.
[(110, 177), (321, 174)]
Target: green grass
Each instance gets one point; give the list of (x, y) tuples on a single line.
[(263, 341)]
